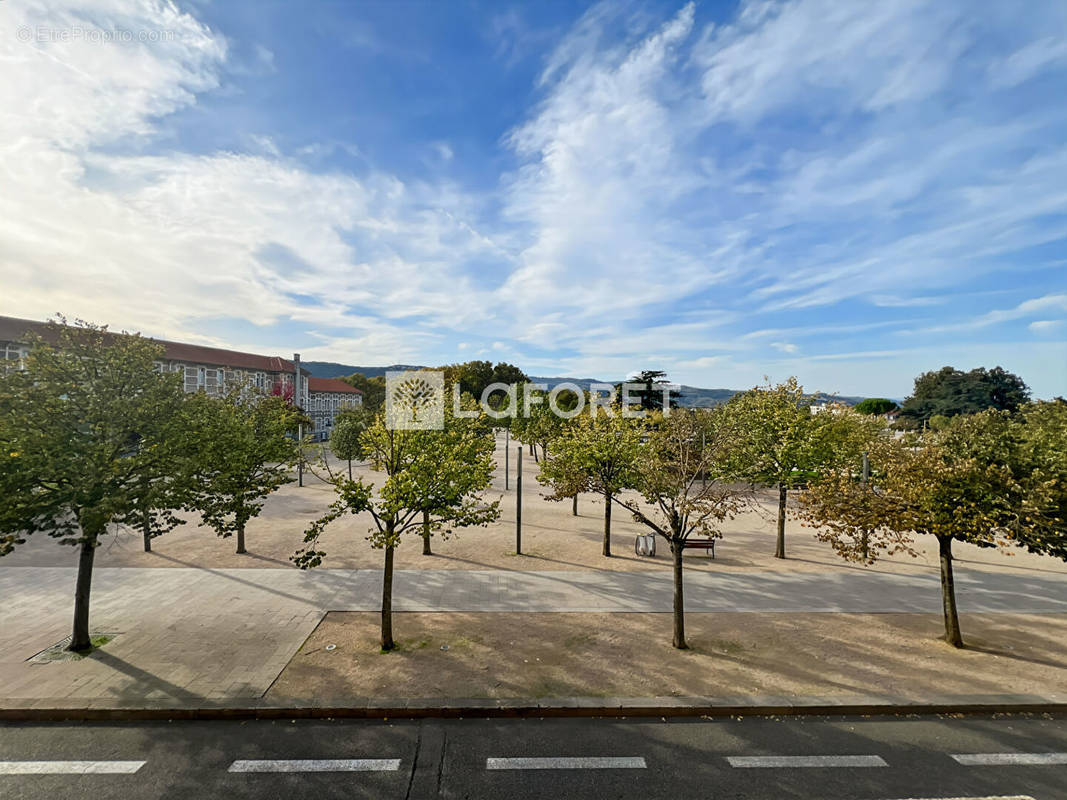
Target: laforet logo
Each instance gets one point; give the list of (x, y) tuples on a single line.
[(415, 400)]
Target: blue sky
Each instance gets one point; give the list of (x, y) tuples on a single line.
[(852, 193)]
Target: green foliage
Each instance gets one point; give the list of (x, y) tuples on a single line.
[(875, 405), (599, 454), (88, 436), (1041, 460), (443, 472), (474, 376), (989, 479), (651, 396), (373, 390), (949, 392), (244, 453), (682, 472), (431, 476), (346, 433), (779, 441)]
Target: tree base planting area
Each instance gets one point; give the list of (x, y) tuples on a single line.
[(745, 655)]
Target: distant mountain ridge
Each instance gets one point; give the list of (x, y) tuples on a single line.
[(692, 396)]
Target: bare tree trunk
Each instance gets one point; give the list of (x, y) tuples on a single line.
[(679, 600), (779, 550), (146, 530), (607, 524), (387, 601), (574, 506), (426, 534), (865, 547), (79, 640), (241, 538), (350, 469), (953, 635)]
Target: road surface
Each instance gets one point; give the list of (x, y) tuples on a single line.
[(744, 759)]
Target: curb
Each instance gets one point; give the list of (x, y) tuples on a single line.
[(560, 707)]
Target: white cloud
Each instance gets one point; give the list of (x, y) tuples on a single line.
[(698, 199), (1047, 326)]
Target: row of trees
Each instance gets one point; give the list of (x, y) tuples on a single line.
[(471, 376), (93, 436), (993, 479)]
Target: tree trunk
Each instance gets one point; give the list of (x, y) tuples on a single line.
[(679, 600), (426, 534), (574, 506), (79, 640), (350, 469), (948, 594), (146, 530), (607, 524), (241, 537), (865, 547), (779, 550), (387, 601)]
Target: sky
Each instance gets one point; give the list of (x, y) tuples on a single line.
[(852, 193)]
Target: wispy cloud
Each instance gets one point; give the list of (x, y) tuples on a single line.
[(721, 197)]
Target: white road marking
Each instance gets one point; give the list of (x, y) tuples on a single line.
[(975, 797), (318, 765), (806, 761), (69, 767), (1003, 759), (566, 763)]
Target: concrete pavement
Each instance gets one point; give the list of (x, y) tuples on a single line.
[(187, 635)]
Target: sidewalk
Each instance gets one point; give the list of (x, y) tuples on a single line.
[(186, 638)]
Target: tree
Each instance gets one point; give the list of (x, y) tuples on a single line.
[(875, 405), (85, 439), (439, 472), (346, 433), (1041, 461), (949, 392), (566, 477), (373, 390), (470, 443), (655, 394), (955, 485), (246, 454), (602, 449), (779, 443), (681, 474)]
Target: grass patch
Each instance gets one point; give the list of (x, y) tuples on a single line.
[(59, 651)]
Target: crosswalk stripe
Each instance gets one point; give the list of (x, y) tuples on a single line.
[(586, 762), (805, 761), (317, 765), (70, 767), (1004, 759)]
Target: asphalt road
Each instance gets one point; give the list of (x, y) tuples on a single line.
[(751, 758)]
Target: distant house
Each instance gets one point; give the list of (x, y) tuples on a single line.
[(214, 371), (327, 397)]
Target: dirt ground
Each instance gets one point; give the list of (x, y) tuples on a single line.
[(553, 539), (629, 655)]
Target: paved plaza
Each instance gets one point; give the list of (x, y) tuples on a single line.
[(189, 634)]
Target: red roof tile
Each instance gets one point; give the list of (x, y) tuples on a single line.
[(331, 385), (16, 330)]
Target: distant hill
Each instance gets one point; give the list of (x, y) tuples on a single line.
[(331, 369), (692, 396)]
